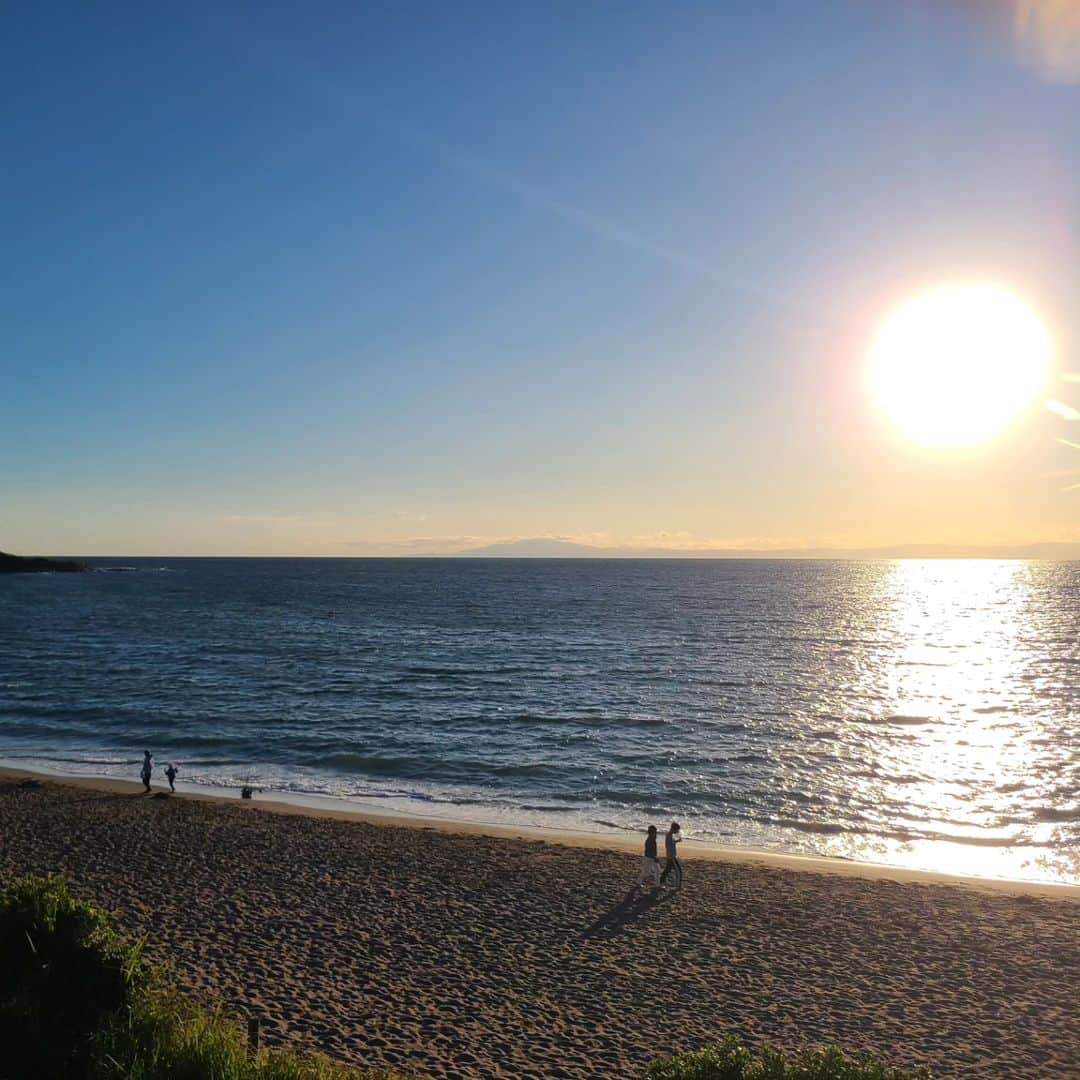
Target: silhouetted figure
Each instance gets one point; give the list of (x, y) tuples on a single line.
[(671, 856), (650, 864), (147, 769), (170, 775)]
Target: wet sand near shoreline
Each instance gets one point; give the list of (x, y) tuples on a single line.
[(455, 954)]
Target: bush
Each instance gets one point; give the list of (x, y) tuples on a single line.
[(78, 1003), (168, 1037), (64, 974), (730, 1060)]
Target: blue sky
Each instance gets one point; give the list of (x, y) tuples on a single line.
[(339, 279)]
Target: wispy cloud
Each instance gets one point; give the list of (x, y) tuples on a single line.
[(263, 518), (306, 520), (637, 237), (680, 540), (561, 547), (630, 238), (416, 545), (663, 541)]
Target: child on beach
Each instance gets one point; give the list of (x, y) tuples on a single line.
[(671, 856), (170, 775), (650, 864), (147, 769)]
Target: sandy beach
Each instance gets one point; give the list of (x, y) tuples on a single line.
[(451, 953)]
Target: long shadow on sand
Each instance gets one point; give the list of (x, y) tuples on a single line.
[(96, 797), (629, 909), (119, 796)]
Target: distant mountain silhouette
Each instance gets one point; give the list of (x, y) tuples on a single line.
[(540, 547), (35, 564), (546, 547)]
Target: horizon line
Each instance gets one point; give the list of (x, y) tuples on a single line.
[(1054, 551)]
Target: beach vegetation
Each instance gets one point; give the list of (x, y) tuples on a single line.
[(169, 1036), (731, 1060), (64, 972), (78, 1002)]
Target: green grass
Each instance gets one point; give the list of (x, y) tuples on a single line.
[(165, 1036), (77, 1002), (64, 973)]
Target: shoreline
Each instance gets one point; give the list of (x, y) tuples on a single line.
[(334, 808), (447, 954)]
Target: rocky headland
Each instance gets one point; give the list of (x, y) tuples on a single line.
[(37, 564)]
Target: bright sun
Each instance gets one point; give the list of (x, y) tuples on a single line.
[(956, 365)]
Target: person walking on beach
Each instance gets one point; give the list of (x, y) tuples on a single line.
[(650, 864), (170, 775), (147, 769), (671, 856)]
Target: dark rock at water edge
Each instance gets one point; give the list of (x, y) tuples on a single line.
[(24, 564)]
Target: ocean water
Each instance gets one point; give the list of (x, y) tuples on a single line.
[(915, 713)]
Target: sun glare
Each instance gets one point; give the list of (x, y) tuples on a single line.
[(955, 366)]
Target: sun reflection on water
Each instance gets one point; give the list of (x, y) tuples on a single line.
[(959, 643)]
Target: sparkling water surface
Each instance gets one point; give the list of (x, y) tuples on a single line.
[(914, 713)]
